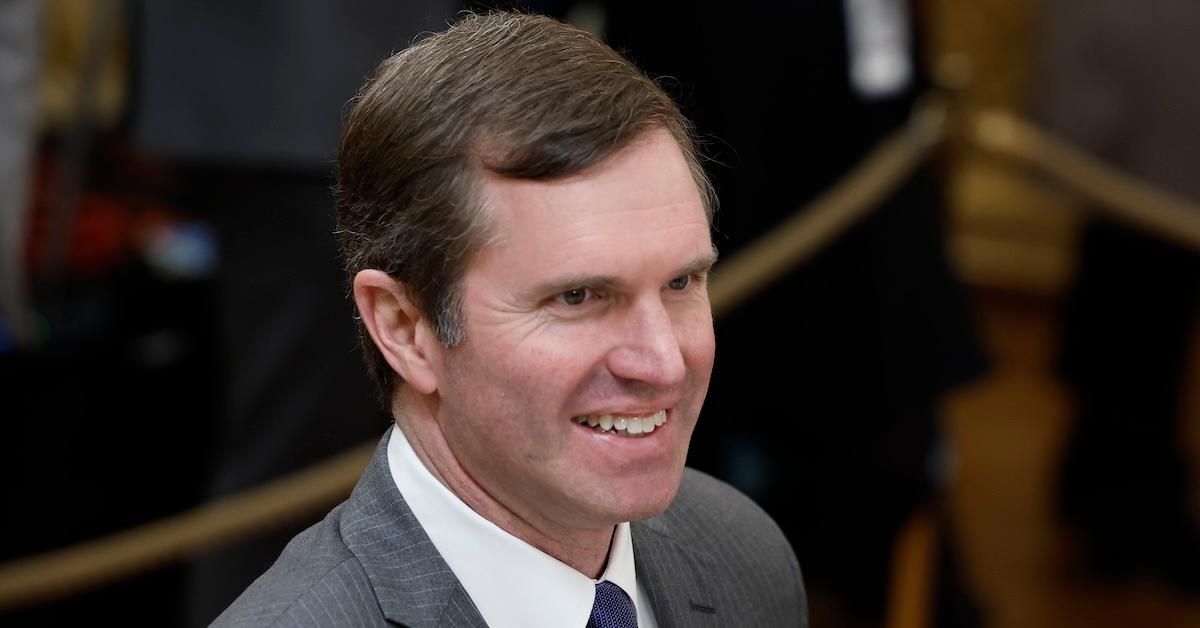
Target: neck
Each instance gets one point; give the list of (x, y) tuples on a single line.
[(583, 549)]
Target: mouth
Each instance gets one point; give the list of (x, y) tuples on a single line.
[(627, 426)]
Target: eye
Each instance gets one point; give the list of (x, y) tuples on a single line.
[(574, 296), (680, 282)]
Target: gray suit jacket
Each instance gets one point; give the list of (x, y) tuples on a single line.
[(713, 559)]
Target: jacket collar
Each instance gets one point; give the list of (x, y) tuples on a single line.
[(413, 584)]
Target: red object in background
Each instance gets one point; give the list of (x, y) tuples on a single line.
[(105, 230)]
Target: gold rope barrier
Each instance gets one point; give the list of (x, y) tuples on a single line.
[(1119, 195), (66, 571), (811, 228), (62, 572)]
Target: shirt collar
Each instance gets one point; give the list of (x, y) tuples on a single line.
[(505, 576)]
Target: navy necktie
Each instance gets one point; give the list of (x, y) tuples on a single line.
[(612, 608)]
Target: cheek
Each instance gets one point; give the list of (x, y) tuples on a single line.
[(697, 341), (555, 357), (523, 388)]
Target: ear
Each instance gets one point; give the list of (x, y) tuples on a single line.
[(399, 330)]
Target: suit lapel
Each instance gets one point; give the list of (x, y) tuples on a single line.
[(412, 582), (675, 577)]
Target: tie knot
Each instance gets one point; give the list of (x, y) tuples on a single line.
[(612, 608)]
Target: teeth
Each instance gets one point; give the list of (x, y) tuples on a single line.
[(624, 426)]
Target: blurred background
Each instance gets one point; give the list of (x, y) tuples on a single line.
[(967, 392)]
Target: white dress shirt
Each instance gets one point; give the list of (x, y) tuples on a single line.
[(512, 583)]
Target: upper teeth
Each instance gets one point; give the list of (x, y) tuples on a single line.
[(624, 425)]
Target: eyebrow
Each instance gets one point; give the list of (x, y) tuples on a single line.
[(701, 264)]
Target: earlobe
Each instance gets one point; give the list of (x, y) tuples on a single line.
[(398, 328)]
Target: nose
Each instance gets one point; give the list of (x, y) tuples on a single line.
[(648, 348)]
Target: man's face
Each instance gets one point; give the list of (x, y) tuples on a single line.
[(591, 302)]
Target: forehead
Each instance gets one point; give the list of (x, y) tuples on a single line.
[(644, 195)]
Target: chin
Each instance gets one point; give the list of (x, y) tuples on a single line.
[(648, 497)]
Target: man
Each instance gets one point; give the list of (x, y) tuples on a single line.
[(527, 227)]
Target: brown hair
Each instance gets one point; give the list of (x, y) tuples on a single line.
[(519, 95)]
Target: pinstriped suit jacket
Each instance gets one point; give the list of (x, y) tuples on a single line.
[(713, 559)]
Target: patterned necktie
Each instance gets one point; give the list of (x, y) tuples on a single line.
[(612, 608)]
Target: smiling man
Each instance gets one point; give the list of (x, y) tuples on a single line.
[(526, 224)]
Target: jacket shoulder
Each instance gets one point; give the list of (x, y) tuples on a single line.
[(748, 553), (317, 581), (708, 511)]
